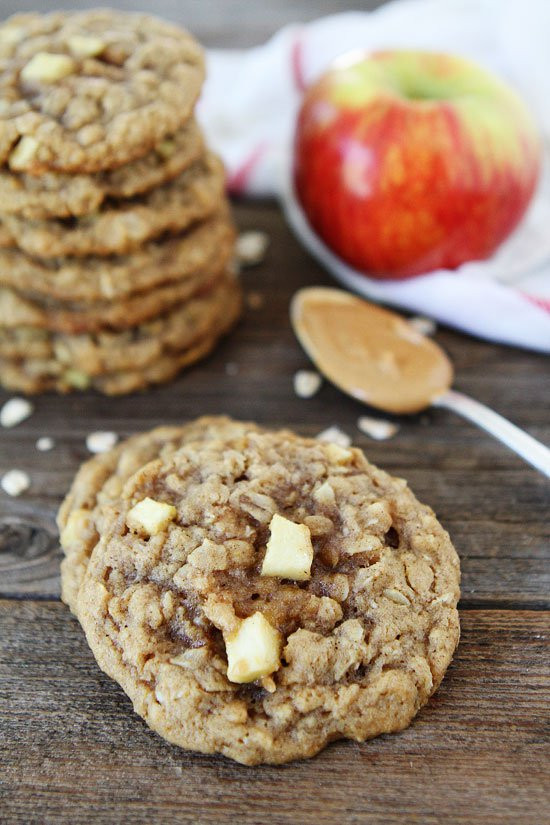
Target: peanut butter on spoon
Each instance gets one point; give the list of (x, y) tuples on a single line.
[(368, 352), (377, 357)]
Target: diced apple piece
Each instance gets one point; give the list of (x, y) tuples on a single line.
[(23, 153), (84, 46), (76, 528), (150, 516), (12, 34), (165, 148), (289, 551), (338, 454), (77, 379), (253, 650), (47, 68)]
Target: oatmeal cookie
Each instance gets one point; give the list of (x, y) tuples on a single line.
[(103, 352), (125, 225), (19, 310), (261, 594), (6, 240), (60, 195), (94, 279), (92, 90), (31, 377)]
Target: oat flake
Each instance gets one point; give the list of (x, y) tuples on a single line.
[(334, 435), (15, 411), (100, 442), (307, 383), (251, 247), (45, 443), (377, 428), (15, 482)]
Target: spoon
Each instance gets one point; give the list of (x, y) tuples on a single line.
[(377, 357)]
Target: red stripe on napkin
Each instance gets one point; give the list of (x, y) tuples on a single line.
[(297, 63), (238, 180)]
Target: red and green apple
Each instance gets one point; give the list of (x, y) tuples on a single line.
[(410, 161)]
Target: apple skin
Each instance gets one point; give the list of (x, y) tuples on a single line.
[(406, 162)]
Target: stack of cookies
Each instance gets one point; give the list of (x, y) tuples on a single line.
[(256, 593), (115, 235)]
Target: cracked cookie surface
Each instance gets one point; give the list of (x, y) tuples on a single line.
[(365, 640), (88, 91)]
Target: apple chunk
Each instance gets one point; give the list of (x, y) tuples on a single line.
[(47, 68), (407, 161), (253, 650), (150, 517), (289, 551)]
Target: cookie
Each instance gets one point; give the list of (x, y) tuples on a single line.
[(6, 240), (94, 279), (261, 594), (59, 195), (169, 365), (104, 352), (18, 311), (92, 90), (192, 196), (36, 377), (100, 481)]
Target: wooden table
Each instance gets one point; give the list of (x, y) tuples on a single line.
[(72, 750)]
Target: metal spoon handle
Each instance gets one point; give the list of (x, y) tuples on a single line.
[(517, 440)]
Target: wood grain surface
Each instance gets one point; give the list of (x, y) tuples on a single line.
[(72, 750)]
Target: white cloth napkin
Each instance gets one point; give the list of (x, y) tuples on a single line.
[(249, 106)]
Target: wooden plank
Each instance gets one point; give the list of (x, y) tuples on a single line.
[(493, 504), (73, 751)]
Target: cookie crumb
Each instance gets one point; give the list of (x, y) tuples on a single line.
[(307, 383), (100, 442), (334, 435), (255, 300), (232, 368), (45, 443), (251, 247), (15, 411), (15, 482), (377, 428), (425, 326)]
